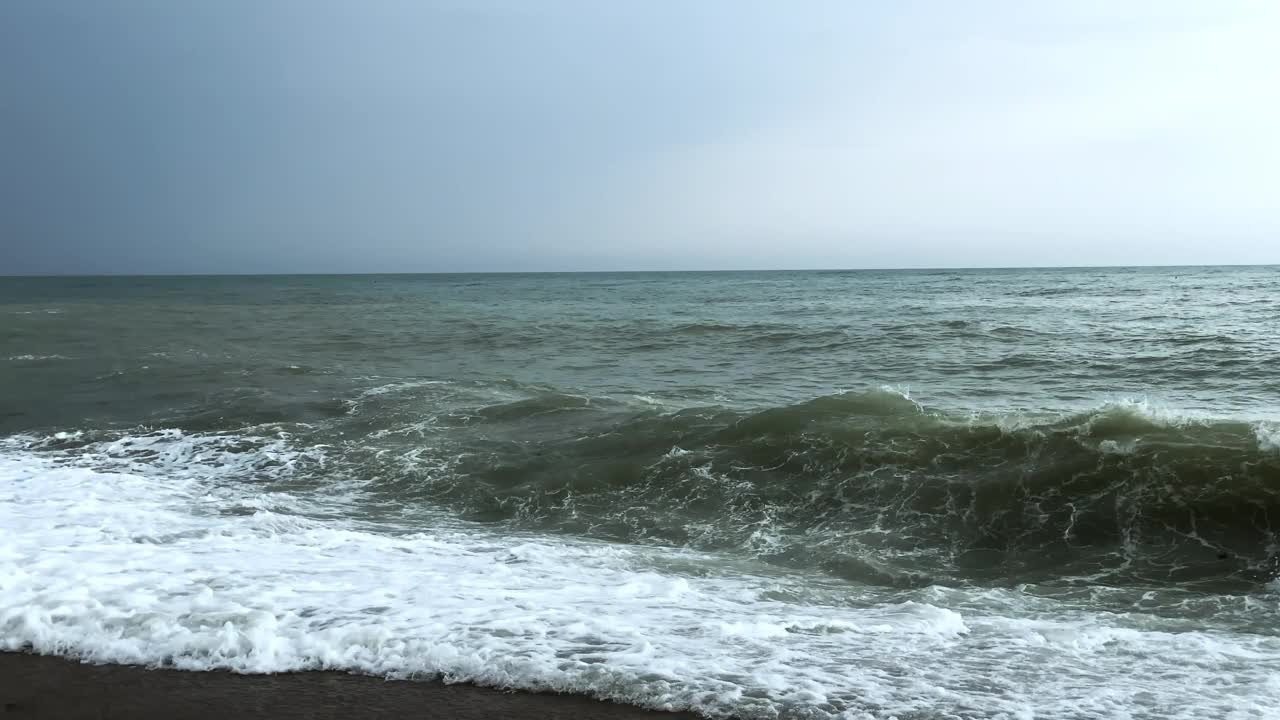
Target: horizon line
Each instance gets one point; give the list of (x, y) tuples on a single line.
[(943, 268)]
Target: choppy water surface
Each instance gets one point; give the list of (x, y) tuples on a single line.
[(947, 494)]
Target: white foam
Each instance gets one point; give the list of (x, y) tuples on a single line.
[(1268, 434), (356, 405), (1136, 408), (1160, 413), (169, 548), (1114, 447), (399, 387), (31, 358)]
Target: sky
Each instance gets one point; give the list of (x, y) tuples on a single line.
[(267, 136)]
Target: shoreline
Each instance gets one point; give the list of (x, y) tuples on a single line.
[(46, 686)]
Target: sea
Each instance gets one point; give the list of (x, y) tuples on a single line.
[(1021, 494)]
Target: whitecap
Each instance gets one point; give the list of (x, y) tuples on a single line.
[(36, 358)]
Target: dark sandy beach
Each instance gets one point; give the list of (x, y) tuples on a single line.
[(34, 686)]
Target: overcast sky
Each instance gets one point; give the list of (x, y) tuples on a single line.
[(322, 136)]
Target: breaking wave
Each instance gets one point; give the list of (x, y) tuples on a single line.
[(1121, 494), (866, 486)]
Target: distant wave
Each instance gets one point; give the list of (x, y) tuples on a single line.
[(1048, 292)]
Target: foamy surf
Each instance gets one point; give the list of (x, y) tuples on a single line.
[(176, 556)]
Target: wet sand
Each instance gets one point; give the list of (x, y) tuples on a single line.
[(34, 686)]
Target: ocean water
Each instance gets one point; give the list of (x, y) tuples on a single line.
[(942, 494)]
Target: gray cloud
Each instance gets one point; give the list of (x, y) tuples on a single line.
[(290, 136)]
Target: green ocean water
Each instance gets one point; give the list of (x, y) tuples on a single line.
[(1106, 441)]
